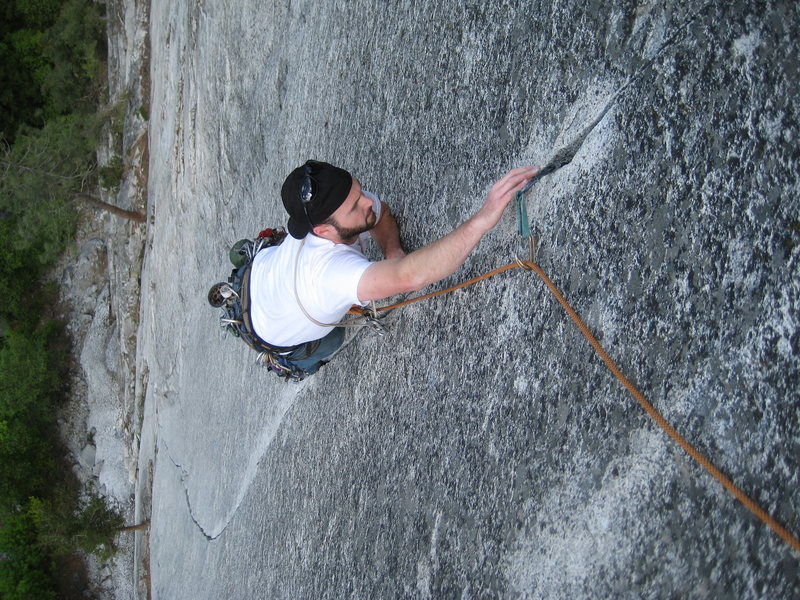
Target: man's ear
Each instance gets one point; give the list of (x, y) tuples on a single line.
[(325, 231)]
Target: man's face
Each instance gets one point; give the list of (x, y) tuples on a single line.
[(354, 216)]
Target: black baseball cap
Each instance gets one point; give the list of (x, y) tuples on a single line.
[(329, 187)]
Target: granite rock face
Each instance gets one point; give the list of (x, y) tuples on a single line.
[(481, 449)]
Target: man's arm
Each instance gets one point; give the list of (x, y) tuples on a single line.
[(387, 235), (444, 256)]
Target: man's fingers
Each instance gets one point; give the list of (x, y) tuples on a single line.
[(515, 179)]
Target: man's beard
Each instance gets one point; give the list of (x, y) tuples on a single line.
[(348, 233)]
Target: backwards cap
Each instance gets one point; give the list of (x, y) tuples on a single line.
[(330, 187)]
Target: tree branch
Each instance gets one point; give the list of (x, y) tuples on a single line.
[(100, 205), (139, 527)]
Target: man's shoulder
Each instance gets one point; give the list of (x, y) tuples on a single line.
[(324, 247), (337, 260), (314, 253)]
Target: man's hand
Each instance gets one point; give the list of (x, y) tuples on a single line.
[(502, 192), (387, 235)]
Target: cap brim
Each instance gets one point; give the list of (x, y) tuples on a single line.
[(297, 229)]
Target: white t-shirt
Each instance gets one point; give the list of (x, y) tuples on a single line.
[(327, 285)]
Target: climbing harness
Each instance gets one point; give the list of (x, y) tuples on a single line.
[(233, 297)]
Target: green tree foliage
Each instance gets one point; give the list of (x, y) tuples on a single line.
[(28, 45), (64, 528), (51, 69), (75, 47), (38, 14), (39, 175), (51, 60), (26, 573), (20, 97), (23, 61), (27, 384)]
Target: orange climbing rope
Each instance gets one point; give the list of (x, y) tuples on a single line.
[(529, 265)]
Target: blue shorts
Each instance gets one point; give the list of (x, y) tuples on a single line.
[(310, 363)]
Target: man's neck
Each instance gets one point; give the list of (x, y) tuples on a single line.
[(332, 236)]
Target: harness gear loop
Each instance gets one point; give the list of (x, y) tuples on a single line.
[(270, 361)]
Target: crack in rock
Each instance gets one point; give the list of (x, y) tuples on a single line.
[(184, 475), (566, 153)]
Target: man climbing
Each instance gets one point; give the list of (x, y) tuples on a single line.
[(301, 289)]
